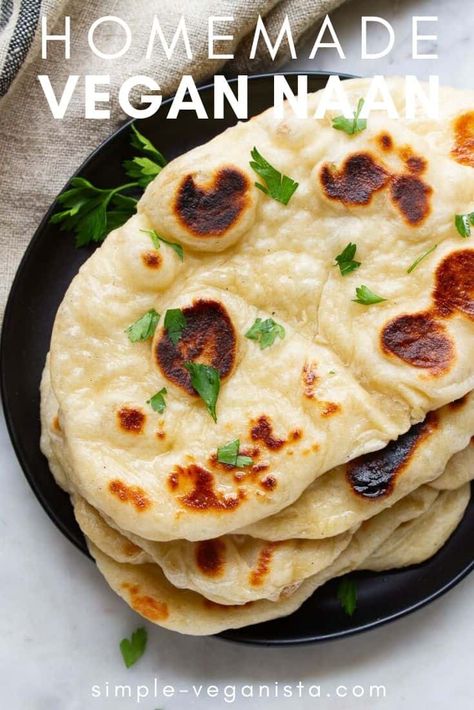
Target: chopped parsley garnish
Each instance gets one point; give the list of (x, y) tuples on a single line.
[(92, 212), (157, 239), (134, 648), (420, 258), (265, 332), (351, 125), (229, 454), (175, 322), (463, 223), (157, 402), (144, 327), (279, 186), (347, 595), (367, 297), (345, 260), (207, 383)]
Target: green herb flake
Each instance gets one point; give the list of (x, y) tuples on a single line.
[(229, 455), (420, 258), (158, 402), (351, 125), (144, 327), (347, 595), (345, 260), (366, 297), (157, 239), (144, 168), (265, 332), (279, 186), (207, 383), (463, 224), (175, 322), (134, 648)]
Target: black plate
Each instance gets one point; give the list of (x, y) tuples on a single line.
[(45, 272)]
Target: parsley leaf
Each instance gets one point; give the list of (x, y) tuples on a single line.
[(207, 383), (265, 332), (279, 186), (463, 223), (367, 297), (144, 327), (135, 648), (157, 239), (351, 125), (420, 258), (345, 260), (229, 455), (347, 595), (157, 402), (144, 168), (175, 322), (91, 212), (145, 146)]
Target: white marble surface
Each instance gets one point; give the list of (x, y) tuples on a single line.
[(60, 626)]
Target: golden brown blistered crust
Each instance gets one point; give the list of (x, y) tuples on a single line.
[(421, 339), (262, 567), (463, 149), (361, 176), (310, 381), (373, 475), (262, 430), (210, 557), (131, 420), (194, 488), (211, 210), (130, 494), (208, 338), (152, 259), (56, 425), (147, 606)]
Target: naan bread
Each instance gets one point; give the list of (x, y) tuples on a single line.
[(145, 588), (418, 540), (346, 378), (460, 470)]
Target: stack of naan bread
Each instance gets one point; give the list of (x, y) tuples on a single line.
[(358, 422)]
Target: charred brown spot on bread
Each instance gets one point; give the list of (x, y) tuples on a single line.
[(329, 409), (373, 475), (146, 605), (269, 483), (412, 197), (209, 211), (414, 163), (130, 549), (262, 567), (152, 259), (262, 430), (210, 557), (161, 435), (131, 420), (56, 425), (359, 178), (454, 289), (208, 338), (310, 379), (130, 494), (419, 340), (194, 488), (385, 141), (458, 403), (463, 149)]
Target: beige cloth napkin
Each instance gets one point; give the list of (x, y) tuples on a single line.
[(39, 153)]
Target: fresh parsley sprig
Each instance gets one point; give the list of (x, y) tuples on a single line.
[(366, 297), (207, 383), (351, 125), (92, 212), (229, 455), (463, 223), (157, 239), (419, 259), (265, 332), (144, 327), (345, 260), (347, 595), (158, 402), (279, 186), (175, 323), (134, 648)]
